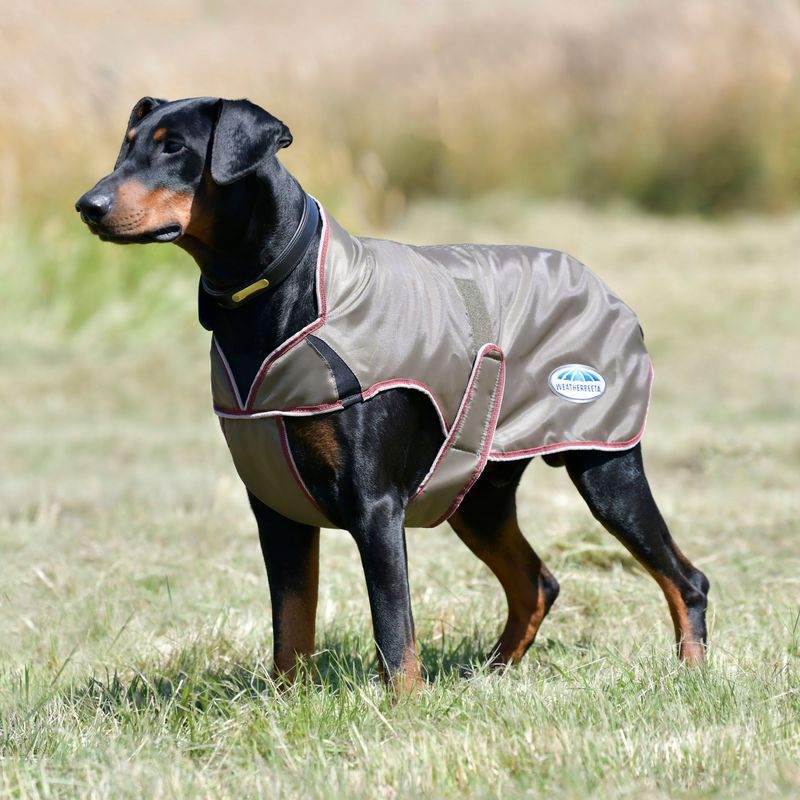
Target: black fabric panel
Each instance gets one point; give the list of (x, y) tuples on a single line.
[(206, 308), (347, 384)]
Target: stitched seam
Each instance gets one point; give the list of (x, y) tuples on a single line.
[(287, 452), (407, 383), (461, 413), (487, 420), (556, 447), (288, 412), (228, 372), (399, 383), (292, 341), (498, 402)]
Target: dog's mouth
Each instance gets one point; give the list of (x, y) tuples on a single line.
[(167, 233)]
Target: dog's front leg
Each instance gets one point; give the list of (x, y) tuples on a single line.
[(291, 555), (381, 539)]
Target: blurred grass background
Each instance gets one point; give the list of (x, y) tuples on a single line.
[(657, 142), (687, 106)]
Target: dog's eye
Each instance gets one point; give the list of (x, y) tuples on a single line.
[(173, 146)]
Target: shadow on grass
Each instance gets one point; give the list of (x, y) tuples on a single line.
[(188, 684)]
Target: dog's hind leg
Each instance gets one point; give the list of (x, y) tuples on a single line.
[(291, 555), (617, 492), (486, 521)]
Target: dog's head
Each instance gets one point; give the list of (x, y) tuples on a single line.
[(173, 154)]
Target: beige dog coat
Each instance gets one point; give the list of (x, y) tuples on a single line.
[(521, 351)]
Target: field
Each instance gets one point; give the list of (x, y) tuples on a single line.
[(680, 107), (134, 612), (134, 624)]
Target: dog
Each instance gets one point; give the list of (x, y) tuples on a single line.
[(366, 385)]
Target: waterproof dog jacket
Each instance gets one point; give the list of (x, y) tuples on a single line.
[(521, 351)]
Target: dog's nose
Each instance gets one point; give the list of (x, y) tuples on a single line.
[(93, 207)]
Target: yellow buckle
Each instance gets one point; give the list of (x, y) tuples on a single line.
[(242, 294)]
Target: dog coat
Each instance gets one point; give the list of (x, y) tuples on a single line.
[(521, 351)]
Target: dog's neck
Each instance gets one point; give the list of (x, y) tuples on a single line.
[(251, 223)]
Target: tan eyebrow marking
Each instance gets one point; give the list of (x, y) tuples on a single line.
[(131, 133), (159, 134)]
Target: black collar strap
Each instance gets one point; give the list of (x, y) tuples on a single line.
[(278, 269)]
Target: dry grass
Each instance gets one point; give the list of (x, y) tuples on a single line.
[(134, 633), (134, 628), (682, 106)]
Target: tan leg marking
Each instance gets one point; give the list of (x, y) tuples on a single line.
[(690, 650), (408, 680), (520, 571), (297, 633), (296, 624)]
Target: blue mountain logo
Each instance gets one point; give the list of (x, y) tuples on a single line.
[(577, 382), (580, 374)]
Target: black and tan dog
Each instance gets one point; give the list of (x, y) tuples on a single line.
[(203, 173)]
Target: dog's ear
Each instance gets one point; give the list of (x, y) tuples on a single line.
[(244, 137), (139, 112)]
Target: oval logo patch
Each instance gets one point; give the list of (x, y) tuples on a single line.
[(577, 382)]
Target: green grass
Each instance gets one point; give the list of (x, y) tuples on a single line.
[(134, 612)]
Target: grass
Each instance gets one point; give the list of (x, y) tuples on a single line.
[(135, 635), (675, 107)]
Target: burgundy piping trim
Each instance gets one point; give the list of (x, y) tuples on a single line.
[(487, 447), (293, 340), (293, 467), (382, 386), (407, 383), (303, 332), (245, 410), (459, 420), (220, 411), (228, 372), (494, 455), (512, 455)]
